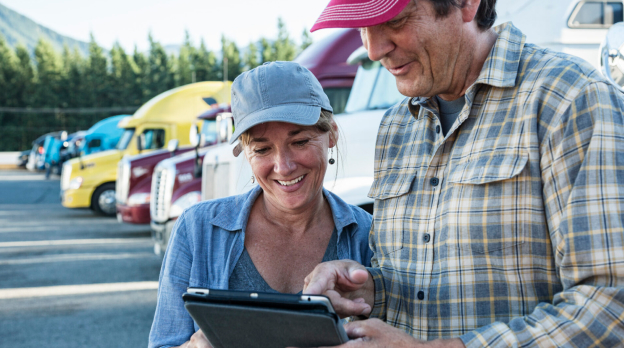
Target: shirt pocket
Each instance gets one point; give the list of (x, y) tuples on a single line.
[(391, 192), (490, 204)]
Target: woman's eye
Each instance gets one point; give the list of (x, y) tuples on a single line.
[(301, 142), (261, 150)]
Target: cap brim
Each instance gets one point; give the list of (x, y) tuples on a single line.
[(305, 115), (367, 14)]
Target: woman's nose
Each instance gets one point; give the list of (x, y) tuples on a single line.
[(284, 163)]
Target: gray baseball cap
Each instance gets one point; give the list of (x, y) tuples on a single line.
[(276, 92)]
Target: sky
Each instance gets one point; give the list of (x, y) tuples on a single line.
[(130, 21)]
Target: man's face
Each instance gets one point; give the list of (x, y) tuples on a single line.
[(420, 50)]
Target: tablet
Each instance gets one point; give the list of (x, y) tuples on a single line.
[(231, 318)]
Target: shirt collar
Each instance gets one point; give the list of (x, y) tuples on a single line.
[(500, 68), (235, 214)]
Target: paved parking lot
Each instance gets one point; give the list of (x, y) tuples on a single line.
[(69, 278)]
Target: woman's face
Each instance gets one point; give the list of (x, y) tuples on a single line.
[(289, 162)]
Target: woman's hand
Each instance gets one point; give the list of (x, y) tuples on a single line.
[(198, 340)]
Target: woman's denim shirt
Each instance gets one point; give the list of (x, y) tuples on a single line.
[(206, 243)]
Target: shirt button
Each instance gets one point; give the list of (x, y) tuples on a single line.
[(421, 295), (434, 181), (426, 238), (437, 129)]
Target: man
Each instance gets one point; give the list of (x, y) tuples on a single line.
[(499, 188)]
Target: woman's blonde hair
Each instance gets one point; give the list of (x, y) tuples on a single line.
[(323, 125)]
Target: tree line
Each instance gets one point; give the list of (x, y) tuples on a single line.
[(114, 79)]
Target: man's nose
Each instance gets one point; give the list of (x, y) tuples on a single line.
[(376, 42)]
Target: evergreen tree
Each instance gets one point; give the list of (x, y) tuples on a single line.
[(72, 92), (306, 40), (123, 79), (185, 68), (205, 64), (267, 51), (96, 77), (8, 74), (24, 84), (159, 69), (284, 47), (141, 84), (48, 75), (230, 52), (251, 57)]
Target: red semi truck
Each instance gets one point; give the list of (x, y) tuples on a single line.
[(134, 174), (326, 59)]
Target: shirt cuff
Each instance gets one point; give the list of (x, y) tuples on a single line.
[(490, 336), (379, 309)]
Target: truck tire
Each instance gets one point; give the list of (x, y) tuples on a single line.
[(103, 200)]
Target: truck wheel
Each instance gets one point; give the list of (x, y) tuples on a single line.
[(103, 200)]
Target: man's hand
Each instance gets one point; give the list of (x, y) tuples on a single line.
[(346, 283), (375, 333), (198, 340)]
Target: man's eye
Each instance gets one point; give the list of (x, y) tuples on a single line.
[(396, 22)]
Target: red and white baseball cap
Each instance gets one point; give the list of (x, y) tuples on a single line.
[(358, 13)]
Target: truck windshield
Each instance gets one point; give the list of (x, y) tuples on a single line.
[(125, 139), (209, 130), (374, 88)]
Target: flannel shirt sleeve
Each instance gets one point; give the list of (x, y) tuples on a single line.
[(172, 324), (379, 308), (583, 190)]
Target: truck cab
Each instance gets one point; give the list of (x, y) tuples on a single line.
[(102, 136), (134, 174), (89, 181)]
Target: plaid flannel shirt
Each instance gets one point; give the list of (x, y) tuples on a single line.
[(508, 231)]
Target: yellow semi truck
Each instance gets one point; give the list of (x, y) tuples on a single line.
[(89, 181)]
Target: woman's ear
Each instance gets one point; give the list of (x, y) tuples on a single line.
[(333, 134)]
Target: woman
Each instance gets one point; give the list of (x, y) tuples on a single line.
[(270, 238)]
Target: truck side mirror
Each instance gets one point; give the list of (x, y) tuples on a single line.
[(225, 127), (140, 141), (194, 136), (172, 146), (612, 56)]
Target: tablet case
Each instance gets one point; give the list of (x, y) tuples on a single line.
[(235, 326)]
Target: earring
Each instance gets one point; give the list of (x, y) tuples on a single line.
[(253, 180), (331, 157)]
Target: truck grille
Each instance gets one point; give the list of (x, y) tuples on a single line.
[(122, 185), (215, 181), (162, 187)]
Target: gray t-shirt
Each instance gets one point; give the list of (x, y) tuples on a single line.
[(449, 111), (245, 275)]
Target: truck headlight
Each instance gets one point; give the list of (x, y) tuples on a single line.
[(138, 199), (183, 203), (75, 183)]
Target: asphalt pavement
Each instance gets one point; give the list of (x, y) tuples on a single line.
[(70, 278)]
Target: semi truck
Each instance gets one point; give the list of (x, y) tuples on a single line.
[(89, 181), (134, 173)]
